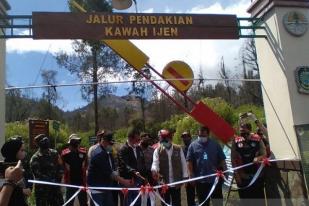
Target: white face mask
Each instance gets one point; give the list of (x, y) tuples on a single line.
[(203, 139), (167, 145), (109, 149)]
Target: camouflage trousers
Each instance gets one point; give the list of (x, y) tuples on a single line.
[(48, 195)]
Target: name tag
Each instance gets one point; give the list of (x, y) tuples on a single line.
[(205, 156)]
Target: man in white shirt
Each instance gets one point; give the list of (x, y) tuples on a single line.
[(169, 163)]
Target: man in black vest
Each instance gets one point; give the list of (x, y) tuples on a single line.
[(169, 162), (132, 164)]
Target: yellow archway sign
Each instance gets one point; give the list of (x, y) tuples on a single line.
[(180, 73)]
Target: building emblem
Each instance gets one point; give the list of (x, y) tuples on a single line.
[(302, 79)]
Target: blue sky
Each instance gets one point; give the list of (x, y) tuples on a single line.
[(26, 58)]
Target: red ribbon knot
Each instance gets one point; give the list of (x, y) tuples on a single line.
[(219, 174), (125, 191), (266, 161)]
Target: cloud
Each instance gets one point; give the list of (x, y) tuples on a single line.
[(29, 45), (150, 10), (239, 8), (202, 55), (199, 54)]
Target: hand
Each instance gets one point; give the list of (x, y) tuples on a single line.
[(252, 116), (127, 183), (238, 180), (14, 174), (27, 191), (155, 175), (256, 160)]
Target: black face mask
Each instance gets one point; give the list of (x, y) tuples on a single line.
[(74, 144), (145, 144), (244, 134), (44, 143), (187, 142)]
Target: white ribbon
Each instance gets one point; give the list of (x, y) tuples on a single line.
[(255, 177), (94, 202), (152, 197), (135, 200), (144, 198), (211, 190), (161, 198), (75, 194)]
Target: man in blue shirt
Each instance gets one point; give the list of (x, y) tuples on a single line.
[(204, 157)]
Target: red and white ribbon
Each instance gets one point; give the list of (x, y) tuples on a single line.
[(265, 162)]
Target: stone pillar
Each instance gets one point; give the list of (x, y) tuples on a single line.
[(4, 6), (279, 55)]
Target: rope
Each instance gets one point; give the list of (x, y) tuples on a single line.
[(276, 113), (122, 82)]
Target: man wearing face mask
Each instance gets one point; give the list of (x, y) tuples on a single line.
[(102, 172), (75, 164), (132, 164), (204, 157), (46, 165), (146, 142), (190, 188), (169, 162), (247, 148)]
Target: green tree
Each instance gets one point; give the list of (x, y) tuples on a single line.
[(50, 95), (92, 61), (16, 106)]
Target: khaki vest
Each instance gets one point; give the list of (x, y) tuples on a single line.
[(176, 163)]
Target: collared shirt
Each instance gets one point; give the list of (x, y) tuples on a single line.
[(93, 150), (205, 157), (156, 163)]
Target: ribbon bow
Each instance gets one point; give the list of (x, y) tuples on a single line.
[(219, 174), (143, 189), (266, 161), (149, 188), (85, 189), (125, 191)]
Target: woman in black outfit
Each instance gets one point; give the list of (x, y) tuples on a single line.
[(12, 151)]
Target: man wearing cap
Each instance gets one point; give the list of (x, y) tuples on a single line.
[(169, 162), (205, 157), (75, 164), (102, 172), (95, 148), (132, 164), (190, 188), (247, 148), (46, 165)]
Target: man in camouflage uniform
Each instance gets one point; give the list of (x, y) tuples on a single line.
[(46, 165)]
